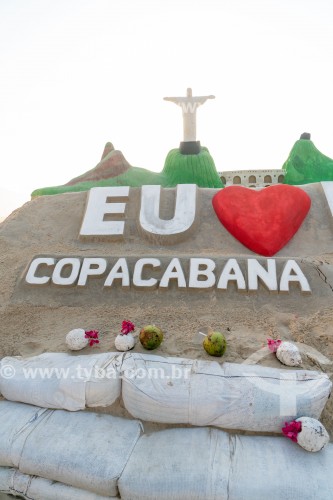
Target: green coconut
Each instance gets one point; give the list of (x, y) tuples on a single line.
[(215, 344), (151, 337)]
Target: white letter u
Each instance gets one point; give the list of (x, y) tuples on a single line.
[(184, 215)]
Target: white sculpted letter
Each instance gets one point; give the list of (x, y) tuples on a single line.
[(91, 266), (31, 277), (328, 190), (256, 271), (137, 274), (119, 271), (173, 271), (202, 267), (292, 267), (98, 205), (72, 263), (184, 215), (232, 272)]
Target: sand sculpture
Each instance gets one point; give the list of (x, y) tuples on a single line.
[(121, 244)]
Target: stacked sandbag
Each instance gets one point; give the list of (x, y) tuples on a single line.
[(15, 483), (275, 468), (206, 463), (83, 449), (61, 380), (178, 464), (233, 396), (157, 388)]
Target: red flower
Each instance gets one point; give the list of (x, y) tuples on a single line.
[(291, 429), (92, 342), (93, 336), (273, 344), (127, 327)]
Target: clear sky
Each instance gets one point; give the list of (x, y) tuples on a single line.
[(78, 73)]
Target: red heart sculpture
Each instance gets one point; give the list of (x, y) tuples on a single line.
[(264, 221)]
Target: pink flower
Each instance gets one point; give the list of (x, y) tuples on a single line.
[(273, 344), (127, 327), (291, 429), (93, 336)]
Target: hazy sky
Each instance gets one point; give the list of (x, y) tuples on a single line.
[(77, 73)]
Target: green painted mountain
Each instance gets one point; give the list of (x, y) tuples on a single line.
[(114, 170), (306, 164), (191, 169)]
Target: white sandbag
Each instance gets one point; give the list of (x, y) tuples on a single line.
[(16, 420), (21, 485), (197, 464), (233, 396), (256, 398), (157, 388), (274, 468), (83, 449), (61, 380), (177, 464)]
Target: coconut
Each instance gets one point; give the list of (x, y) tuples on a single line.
[(76, 339), (215, 343), (151, 337), (124, 342), (313, 436)]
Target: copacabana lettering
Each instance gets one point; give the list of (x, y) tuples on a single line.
[(185, 273)]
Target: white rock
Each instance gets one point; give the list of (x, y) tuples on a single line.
[(76, 339), (289, 354), (313, 436), (124, 342)]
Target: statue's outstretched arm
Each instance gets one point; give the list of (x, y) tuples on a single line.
[(198, 100), (176, 100), (202, 99)]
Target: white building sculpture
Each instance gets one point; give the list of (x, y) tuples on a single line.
[(252, 178)]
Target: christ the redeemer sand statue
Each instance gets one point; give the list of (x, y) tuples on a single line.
[(189, 105)]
